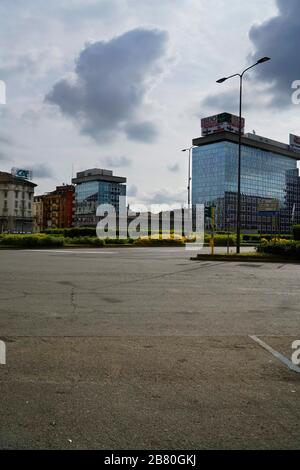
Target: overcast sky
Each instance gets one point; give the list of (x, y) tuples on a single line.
[(122, 84)]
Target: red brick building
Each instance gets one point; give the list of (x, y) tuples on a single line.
[(58, 207)]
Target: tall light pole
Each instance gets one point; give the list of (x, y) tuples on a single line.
[(189, 174), (221, 80)]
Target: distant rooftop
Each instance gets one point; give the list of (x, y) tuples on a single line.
[(250, 140), (8, 178), (265, 140), (97, 174)]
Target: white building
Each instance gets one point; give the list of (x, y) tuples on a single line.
[(16, 204)]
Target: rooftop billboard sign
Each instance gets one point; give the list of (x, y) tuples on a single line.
[(220, 123), (295, 143), (21, 173)]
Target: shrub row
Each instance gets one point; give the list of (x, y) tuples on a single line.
[(31, 241), (96, 241), (72, 232), (79, 232), (221, 240), (285, 248), (84, 241), (296, 232), (54, 241), (172, 241)]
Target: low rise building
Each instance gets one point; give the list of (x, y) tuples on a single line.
[(38, 221), (55, 209), (92, 188)]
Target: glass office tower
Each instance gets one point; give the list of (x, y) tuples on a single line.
[(95, 187), (268, 173)]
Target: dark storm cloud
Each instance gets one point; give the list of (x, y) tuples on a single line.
[(111, 81), (279, 38), (222, 102), (141, 131), (117, 162)]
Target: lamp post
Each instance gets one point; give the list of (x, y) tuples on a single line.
[(189, 174), (221, 80)]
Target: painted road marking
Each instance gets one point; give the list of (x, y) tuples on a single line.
[(73, 252), (276, 354)]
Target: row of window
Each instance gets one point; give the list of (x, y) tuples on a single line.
[(17, 194), (29, 205)]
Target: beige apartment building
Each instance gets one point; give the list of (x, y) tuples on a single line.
[(16, 204), (38, 214)]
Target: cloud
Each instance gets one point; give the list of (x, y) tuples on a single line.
[(226, 101), (174, 168), (117, 162), (111, 80), (279, 38), (132, 191), (41, 171), (3, 156), (166, 197), (141, 131), (6, 140)]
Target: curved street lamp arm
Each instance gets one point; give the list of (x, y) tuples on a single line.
[(248, 68), (234, 75)]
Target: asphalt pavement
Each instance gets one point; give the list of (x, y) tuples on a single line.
[(142, 348)]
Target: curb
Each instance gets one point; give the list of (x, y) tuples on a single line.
[(245, 258)]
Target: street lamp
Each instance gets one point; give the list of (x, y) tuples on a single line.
[(222, 80), (189, 174)]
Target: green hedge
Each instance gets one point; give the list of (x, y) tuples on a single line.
[(271, 237), (159, 242), (32, 241), (296, 232), (285, 248), (221, 240), (251, 238), (118, 241), (73, 232), (84, 241)]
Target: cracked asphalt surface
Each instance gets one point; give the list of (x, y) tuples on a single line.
[(145, 349)]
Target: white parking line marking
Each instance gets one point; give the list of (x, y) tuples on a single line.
[(276, 354)]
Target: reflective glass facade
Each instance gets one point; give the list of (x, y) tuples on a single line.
[(264, 175), (90, 194)]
